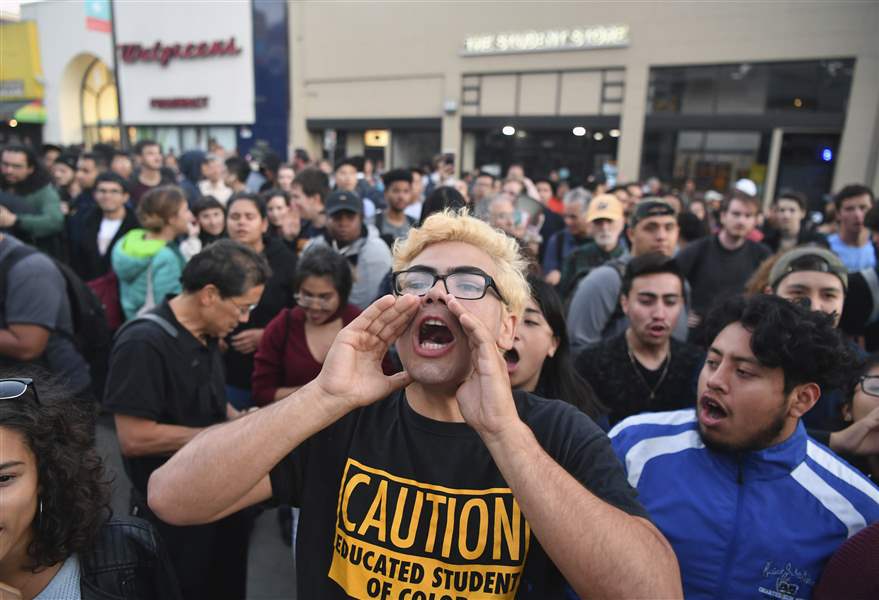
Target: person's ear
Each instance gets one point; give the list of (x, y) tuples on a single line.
[(846, 411), (768, 290), (624, 304), (554, 347), (803, 398), (208, 295)]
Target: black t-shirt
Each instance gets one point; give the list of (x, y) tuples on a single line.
[(609, 369), (715, 272), (393, 500), (173, 380)]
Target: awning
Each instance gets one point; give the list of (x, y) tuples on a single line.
[(23, 111)]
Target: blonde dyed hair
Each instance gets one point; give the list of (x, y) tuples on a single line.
[(449, 226)]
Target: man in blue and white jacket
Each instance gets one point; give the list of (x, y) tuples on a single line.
[(752, 505)]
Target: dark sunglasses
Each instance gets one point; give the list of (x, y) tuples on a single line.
[(10, 389)]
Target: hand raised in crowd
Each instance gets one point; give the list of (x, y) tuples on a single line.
[(247, 341), (485, 398), (352, 372), (290, 226), (7, 218), (861, 438), (7, 592)]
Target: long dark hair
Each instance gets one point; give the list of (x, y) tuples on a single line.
[(74, 490), (558, 379)]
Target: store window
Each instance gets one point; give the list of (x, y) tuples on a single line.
[(100, 113), (751, 88), (712, 159), (541, 151)]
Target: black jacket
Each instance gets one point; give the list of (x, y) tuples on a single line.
[(772, 237), (127, 562), (84, 256), (278, 295)]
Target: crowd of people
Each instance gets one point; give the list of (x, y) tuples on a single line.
[(520, 386)]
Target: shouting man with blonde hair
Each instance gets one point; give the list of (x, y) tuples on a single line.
[(437, 482)]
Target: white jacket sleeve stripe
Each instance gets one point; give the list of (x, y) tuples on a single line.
[(645, 450), (841, 470), (832, 500)]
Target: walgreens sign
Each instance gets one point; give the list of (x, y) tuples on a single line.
[(181, 66), (164, 54)]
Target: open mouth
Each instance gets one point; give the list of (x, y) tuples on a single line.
[(512, 358), (434, 336), (657, 329), (711, 412)]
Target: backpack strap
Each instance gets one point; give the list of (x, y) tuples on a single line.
[(15, 255), (153, 318)]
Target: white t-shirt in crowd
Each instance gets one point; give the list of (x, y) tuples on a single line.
[(109, 229)]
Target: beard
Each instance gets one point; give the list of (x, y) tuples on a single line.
[(759, 440)]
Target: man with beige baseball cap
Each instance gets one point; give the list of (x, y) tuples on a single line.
[(606, 221)]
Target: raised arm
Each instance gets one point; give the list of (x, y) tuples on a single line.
[(226, 467), (601, 551)]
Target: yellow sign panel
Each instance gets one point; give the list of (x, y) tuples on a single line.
[(20, 66), (377, 138)]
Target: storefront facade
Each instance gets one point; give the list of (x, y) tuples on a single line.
[(783, 93), (187, 72)]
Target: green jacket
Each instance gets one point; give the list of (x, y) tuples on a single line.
[(132, 256), (47, 219)]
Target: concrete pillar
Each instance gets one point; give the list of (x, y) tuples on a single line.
[(856, 160), (468, 153), (772, 168), (632, 122)]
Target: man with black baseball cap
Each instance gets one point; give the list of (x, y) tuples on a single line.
[(595, 314), (347, 234), (812, 273)]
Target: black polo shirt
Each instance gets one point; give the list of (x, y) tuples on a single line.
[(170, 379)]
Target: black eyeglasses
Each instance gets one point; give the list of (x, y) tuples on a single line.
[(870, 385), (464, 285), (10, 389)]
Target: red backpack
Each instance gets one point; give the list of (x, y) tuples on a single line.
[(106, 288)]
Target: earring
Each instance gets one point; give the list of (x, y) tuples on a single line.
[(40, 515)]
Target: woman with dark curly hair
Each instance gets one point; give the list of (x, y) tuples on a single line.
[(56, 536)]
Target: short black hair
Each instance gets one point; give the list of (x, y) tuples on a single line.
[(651, 263), (395, 175), (864, 366), (267, 195), (301, 154), (270, 162), (798, 197), (99, 159), (871, 219), (313, 182), (144, 144), (323, 261), (238, 167), (691, 227), (851, 191), (230, 266), (111, 177), (547, 180), (255, 199), (207, 203), (348, 160), (789, 336), (442, 198), (486, 174), (45, 148)]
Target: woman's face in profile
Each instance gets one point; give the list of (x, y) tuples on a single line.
[(18, 496)]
